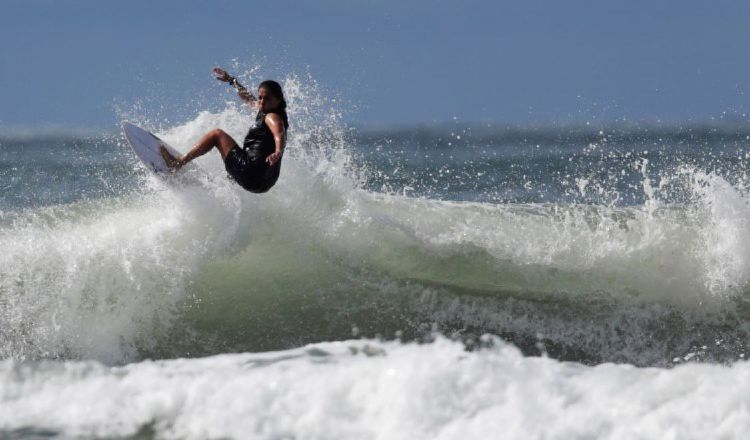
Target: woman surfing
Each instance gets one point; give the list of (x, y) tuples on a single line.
[(256, 164)]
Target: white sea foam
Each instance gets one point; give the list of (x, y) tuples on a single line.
[(373, 390), (194, 264)]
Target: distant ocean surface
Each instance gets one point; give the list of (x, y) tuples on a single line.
[(456, 281)]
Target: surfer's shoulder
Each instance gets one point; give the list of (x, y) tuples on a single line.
[(273, 119)]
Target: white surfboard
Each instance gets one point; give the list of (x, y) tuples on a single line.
[(146, 146)]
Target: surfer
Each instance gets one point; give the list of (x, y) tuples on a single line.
[(256, 164)]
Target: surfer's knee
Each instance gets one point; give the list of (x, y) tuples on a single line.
[(222, 141), (218, 133)]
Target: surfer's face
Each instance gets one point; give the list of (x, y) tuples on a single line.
[(266, 100)]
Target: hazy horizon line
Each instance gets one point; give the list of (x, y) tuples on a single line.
[(58, 129)]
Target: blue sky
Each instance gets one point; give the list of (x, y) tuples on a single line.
[(72, 62)]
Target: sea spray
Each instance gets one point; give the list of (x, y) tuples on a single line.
[(621, 245)]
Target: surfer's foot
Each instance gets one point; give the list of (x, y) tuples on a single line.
[(173, 163)]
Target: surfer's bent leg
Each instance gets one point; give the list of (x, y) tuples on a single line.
[(215, 138)]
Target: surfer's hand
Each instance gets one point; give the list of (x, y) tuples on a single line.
[(273, 157), (221, 74)]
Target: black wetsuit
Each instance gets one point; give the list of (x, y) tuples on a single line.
[(247, 164)]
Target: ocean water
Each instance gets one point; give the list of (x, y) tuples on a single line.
[(448, 281)]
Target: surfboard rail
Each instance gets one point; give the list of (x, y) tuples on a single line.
[(146, 147)]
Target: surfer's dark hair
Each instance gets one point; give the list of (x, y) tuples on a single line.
[(274, 88)]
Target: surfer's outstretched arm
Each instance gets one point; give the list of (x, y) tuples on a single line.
[(243, 93)]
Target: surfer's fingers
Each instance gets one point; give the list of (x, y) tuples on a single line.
[(221, 74)]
